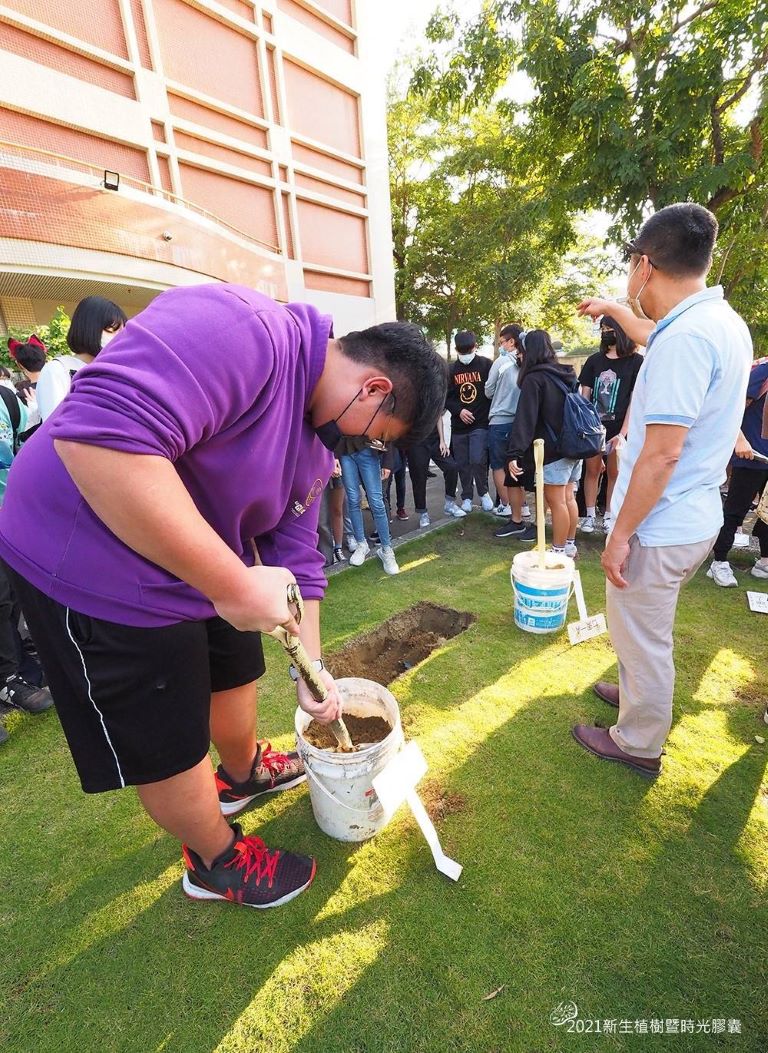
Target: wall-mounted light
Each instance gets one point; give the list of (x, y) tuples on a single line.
[(111, 180)]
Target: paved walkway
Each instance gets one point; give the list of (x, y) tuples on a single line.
[(408, 529)]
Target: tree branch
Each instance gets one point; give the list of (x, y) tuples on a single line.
[(694, 15), (721, 197), (759, 64), (717, 135), (723, 262), (756, 136)]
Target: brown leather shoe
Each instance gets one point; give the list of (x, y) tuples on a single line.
[(608, 692), (599, 742)]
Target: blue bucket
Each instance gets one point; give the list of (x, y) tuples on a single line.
[(541, 596)]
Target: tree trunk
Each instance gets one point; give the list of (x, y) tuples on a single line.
[(496, 337)]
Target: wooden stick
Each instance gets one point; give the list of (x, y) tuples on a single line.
[(538, 457), (298, 655)]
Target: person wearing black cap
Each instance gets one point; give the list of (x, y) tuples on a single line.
[(469, 406)]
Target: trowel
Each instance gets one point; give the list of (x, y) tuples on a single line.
[(303, 663)]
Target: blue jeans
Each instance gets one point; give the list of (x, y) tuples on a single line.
[(470, 451), (498, 441), (365, 467)]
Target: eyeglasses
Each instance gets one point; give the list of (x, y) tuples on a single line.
[(630, 249), (382, 445)]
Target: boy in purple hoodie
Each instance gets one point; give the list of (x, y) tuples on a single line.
[(152, 526)]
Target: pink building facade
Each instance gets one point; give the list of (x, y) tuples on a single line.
[(248, 139)]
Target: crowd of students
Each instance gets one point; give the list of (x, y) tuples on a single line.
[(495, 411)]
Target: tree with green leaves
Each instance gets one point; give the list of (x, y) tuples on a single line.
[(633, 106), (474, 235)]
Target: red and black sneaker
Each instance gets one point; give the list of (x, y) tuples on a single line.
[(248, 874), (271, 771)]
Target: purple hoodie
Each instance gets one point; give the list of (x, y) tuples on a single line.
[(217, 379)]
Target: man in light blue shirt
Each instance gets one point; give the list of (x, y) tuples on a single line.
[(685, 418)]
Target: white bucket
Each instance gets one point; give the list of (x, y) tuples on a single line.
[(541, 596), (341, 784)]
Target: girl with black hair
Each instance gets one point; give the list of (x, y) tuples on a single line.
[(540, 416), (608, 379), (94, 322)]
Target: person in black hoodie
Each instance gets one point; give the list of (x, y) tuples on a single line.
[(540, 416), (469, 406)]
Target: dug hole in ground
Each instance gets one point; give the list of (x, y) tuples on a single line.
[(344, 802)]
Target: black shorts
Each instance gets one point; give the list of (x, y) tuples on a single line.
[(135, 703), (526, 481), (612, 428)]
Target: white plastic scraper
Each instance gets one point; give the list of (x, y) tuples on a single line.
[(396, 785), (585, 628)]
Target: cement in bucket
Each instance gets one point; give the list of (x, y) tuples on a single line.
[(344, 802), (541, 596)]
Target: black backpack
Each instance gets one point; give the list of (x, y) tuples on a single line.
[(582, 434), (13, 405)]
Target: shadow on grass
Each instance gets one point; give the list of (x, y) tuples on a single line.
[(173, 968), (564, 897), (576, 884)]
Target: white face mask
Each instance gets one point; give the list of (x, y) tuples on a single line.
[(106, 336), (466, 359), (633, 302)]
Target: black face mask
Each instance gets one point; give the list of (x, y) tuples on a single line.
[(607, 340), (334, 439)]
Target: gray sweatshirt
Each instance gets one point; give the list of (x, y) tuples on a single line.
[(501, 387)]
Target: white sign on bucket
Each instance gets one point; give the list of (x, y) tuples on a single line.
[(396, 785), (586, 627)]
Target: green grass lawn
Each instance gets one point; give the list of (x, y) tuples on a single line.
[(582, 881)]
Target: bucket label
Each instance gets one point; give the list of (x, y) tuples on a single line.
[(554, 604), (539, 621)]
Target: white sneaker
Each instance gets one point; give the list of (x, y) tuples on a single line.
[(760, 569), (424, 520), (502, 510), (722, 574), (486, 503), (358, 556), (387, 557), (607, 521), (526, 512), (588, 525), (466, 506), (452, 509), (351, 543), (741, 540), (571, 550)]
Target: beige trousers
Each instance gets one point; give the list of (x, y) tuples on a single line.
[(641, 618)]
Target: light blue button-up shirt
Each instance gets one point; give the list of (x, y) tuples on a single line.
[(695, 375)]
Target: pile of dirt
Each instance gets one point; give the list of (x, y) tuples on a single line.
[(361, 730), (399, 643)]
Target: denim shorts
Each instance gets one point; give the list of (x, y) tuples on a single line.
[(498, 436), (559, 473)]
